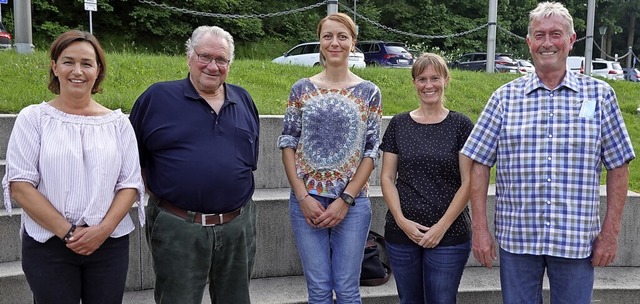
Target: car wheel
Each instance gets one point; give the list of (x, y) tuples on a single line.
[(316, 64)]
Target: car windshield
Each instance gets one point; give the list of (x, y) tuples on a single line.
[(396, 49)]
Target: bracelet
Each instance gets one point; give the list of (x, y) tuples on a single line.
[(69, 233), (304, 198)]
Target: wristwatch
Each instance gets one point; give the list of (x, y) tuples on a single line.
[(348, 199)]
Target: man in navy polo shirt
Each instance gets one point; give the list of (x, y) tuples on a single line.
[(198, 142)]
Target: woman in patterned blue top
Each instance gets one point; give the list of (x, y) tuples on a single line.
[(425, 183), (329, 143)]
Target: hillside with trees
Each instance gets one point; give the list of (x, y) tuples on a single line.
[(450, 27)]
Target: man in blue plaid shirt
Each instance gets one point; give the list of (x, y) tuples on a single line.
[(549, 134)]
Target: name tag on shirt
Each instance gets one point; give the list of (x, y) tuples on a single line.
[(588, 109)]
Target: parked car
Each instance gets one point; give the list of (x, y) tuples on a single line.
[(478, 62), (5, 38), (525, 67), (607, 69), (386, 54), (308, 54), (631, 74), (576, 64)]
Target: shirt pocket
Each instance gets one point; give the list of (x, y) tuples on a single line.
[(246, 142), (583, 134)]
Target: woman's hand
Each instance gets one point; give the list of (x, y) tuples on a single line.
[(86, 240), (413, 230), (311, 209), (335, 213), (432, 236)]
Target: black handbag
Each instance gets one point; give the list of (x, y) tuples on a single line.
[(374, 271)]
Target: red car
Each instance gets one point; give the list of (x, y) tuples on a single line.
[(5, 38)]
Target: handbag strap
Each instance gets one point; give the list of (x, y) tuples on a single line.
[(377, 240), (378, 281), (376, 236)]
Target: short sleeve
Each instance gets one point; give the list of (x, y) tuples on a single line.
[(389, 143), (23, 152)]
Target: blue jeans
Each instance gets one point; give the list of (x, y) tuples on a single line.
[(571, 280), (332, 257), (427, 275)]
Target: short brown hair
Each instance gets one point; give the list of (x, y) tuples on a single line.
[(341, 18), (61, 43), (429, 59)]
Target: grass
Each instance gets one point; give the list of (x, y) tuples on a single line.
[(24, 81)]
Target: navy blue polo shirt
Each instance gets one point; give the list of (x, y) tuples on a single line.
[(196, 159)]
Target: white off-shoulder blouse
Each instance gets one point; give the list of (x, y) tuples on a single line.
[(77, 162)]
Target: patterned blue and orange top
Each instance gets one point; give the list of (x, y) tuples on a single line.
[(331, 130)]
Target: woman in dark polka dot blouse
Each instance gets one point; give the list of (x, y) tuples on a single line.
[(425, 183)]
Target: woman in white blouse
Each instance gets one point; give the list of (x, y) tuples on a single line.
[(72, 165)]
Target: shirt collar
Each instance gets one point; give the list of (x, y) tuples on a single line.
[(570, 81), (191, 93)]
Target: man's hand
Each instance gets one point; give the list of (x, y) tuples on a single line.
[(484, 249), (604, 249)]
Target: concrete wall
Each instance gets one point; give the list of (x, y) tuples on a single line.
[(276, 253), (270, 173)]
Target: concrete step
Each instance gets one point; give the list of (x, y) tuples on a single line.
[(276, 257), (612, 285), (13, 285)]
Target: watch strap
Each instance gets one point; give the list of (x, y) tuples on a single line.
[(348, 199)]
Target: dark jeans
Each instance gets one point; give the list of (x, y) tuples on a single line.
[(56, 274), (428, 275), (186, 254)]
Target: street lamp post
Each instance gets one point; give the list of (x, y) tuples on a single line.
[(603, 31), (354, 11), (354, 16)]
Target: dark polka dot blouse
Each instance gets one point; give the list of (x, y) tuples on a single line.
[(428, 173)]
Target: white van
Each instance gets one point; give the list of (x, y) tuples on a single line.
[(576, 64)]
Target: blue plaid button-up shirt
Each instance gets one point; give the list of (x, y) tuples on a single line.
[(549, 147)]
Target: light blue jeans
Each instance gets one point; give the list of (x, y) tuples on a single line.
[(428, 275), (570, 280), (332, 257)]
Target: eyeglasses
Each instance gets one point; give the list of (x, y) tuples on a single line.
[(204, 59)]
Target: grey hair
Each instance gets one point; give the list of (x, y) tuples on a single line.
[(216, 31), (548, 9)]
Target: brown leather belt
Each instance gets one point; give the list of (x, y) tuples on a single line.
[(200, 218)]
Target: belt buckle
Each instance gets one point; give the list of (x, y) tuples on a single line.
[(204, 220)]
